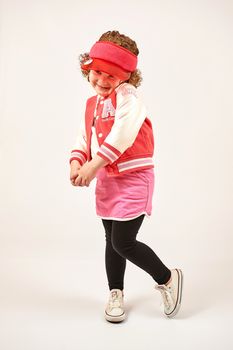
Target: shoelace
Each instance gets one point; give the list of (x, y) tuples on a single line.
[(166, 295), (115, 300)]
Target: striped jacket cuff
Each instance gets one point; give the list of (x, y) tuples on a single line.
[(108, 152), (79, 156), (135, 163)]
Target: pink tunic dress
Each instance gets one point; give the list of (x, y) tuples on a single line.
[(124, 197)]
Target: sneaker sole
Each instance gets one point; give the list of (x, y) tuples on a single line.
[(179, 297), (114, 319)]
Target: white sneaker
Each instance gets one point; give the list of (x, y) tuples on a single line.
[(172, 293), (114, 311)]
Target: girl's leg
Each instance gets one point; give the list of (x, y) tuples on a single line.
[(114, 263), (125, 244)]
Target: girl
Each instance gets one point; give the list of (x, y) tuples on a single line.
[(115, 144)]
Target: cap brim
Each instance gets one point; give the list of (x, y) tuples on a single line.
[(106, 67)]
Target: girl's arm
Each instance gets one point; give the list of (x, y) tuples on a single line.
[(79, 153), (130, 115), (79, 150)]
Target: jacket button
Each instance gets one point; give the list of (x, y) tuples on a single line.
[(100, 134)]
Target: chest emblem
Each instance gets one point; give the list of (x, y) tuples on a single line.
[(108, 109)]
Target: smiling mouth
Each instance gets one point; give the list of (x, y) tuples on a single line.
[(103, 87)]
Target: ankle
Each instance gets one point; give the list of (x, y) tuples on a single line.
[(169, 281)]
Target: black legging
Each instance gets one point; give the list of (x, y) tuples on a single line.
[(121, 244)]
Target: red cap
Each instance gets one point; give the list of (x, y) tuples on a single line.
[(112, 59)]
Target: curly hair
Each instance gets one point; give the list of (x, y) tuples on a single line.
[(121, 40)]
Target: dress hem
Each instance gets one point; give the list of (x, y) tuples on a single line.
[(123, 219)]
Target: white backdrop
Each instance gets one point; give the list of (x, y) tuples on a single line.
[(50, 239)]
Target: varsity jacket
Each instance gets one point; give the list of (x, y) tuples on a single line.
[(124, 133)]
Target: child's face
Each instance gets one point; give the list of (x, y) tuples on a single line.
[(103, 83)]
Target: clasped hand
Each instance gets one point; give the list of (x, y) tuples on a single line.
[(82, 175)]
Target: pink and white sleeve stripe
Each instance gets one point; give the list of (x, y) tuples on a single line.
[(79, 156), (108, 152)]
